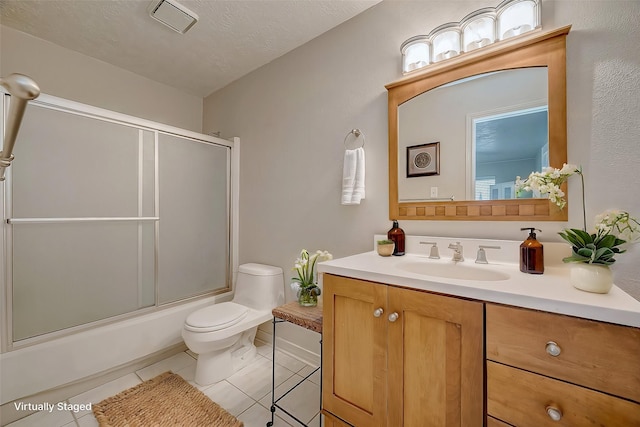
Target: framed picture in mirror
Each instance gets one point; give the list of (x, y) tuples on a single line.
[(423, 160)]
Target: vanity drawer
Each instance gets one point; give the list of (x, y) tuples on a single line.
[(525, 399), (594, 354)]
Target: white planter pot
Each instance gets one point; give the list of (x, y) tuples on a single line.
[(386, 249), (594, 278)]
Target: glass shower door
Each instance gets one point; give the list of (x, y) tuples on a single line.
[(107, 217), (193, 251)]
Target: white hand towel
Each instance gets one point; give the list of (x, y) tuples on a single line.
[(353, 177), (358, 187), (348, 176)]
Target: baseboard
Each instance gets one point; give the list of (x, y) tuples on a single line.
[(9, 414), (289, 347)]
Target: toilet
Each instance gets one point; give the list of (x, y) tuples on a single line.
[(222, 334)]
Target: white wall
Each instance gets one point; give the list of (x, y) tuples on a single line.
[(294, 113), (71, 75)]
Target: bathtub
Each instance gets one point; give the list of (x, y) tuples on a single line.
[(36, 368)]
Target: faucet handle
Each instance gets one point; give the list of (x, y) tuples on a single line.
[(481, 258), (458, 256), (433, 254)]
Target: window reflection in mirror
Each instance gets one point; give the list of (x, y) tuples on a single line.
[(491, 128), (507, 144)]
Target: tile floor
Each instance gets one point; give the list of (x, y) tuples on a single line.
[(246, 394)]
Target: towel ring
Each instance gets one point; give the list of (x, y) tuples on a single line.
[(358, 133)]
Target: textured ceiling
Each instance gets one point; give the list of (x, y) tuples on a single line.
[(231, 38)]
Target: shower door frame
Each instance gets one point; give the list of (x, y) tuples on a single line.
[(51, 102)]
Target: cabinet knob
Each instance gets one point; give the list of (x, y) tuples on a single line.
[(378, 312), (553, 349), (554, 413), (393, 317)]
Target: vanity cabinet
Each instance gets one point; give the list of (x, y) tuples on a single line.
[(548, 369), (400, 357), (330, 421)]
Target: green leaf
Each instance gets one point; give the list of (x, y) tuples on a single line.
[(582, 236), (602, 253), (585, 252), (608, 241), (619, 242), (583, 255), (576, 237), (565, 237)]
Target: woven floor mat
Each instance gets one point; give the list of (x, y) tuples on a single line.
[(164, 401)]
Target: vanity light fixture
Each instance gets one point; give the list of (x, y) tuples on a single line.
[(516, 17), (416, 53), (446, 41), (476, 30)]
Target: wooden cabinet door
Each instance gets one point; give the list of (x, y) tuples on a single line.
[(354, 351), (332, 421), (435, 360)]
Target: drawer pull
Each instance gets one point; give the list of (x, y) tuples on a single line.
[(553, 349), (393, 317), (554, 413), (378, 312)]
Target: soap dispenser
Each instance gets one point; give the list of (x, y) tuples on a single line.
[(396, 234), (531, 254)]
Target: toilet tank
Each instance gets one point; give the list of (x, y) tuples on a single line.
[(259, 286)]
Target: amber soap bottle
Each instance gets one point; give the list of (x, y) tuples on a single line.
[(531, 254), (396, 234)]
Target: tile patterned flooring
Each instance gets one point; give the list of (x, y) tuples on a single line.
[(246, 394)]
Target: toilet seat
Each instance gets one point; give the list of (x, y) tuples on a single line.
[(216, 317)]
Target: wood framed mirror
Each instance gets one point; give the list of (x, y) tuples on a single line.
[(541, 50)]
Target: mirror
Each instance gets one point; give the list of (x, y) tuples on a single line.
[(499, 118), (442, 117)]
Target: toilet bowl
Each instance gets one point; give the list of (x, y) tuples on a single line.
[(222, 334)]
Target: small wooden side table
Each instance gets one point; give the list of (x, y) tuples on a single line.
[(308, 318)]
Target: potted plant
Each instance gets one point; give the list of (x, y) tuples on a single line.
[(306, 283), (592, 253), (385, 247)]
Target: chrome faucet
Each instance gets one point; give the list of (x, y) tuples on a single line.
[(457, 252), (481, 258), (433, 254)]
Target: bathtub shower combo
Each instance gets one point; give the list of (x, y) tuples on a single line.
[(114, 230)]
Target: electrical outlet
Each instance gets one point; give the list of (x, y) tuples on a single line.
[(434, 192)]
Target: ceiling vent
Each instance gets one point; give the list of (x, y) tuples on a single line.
[(173, 15)]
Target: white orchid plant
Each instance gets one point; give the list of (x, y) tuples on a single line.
[(612, 228), (548, 182), (305, 268)]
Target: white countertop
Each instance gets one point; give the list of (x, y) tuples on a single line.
[(551, 291)]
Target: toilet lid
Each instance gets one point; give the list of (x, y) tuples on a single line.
[(216, 317)]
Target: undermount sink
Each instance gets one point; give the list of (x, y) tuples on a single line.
[(453, 271)]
